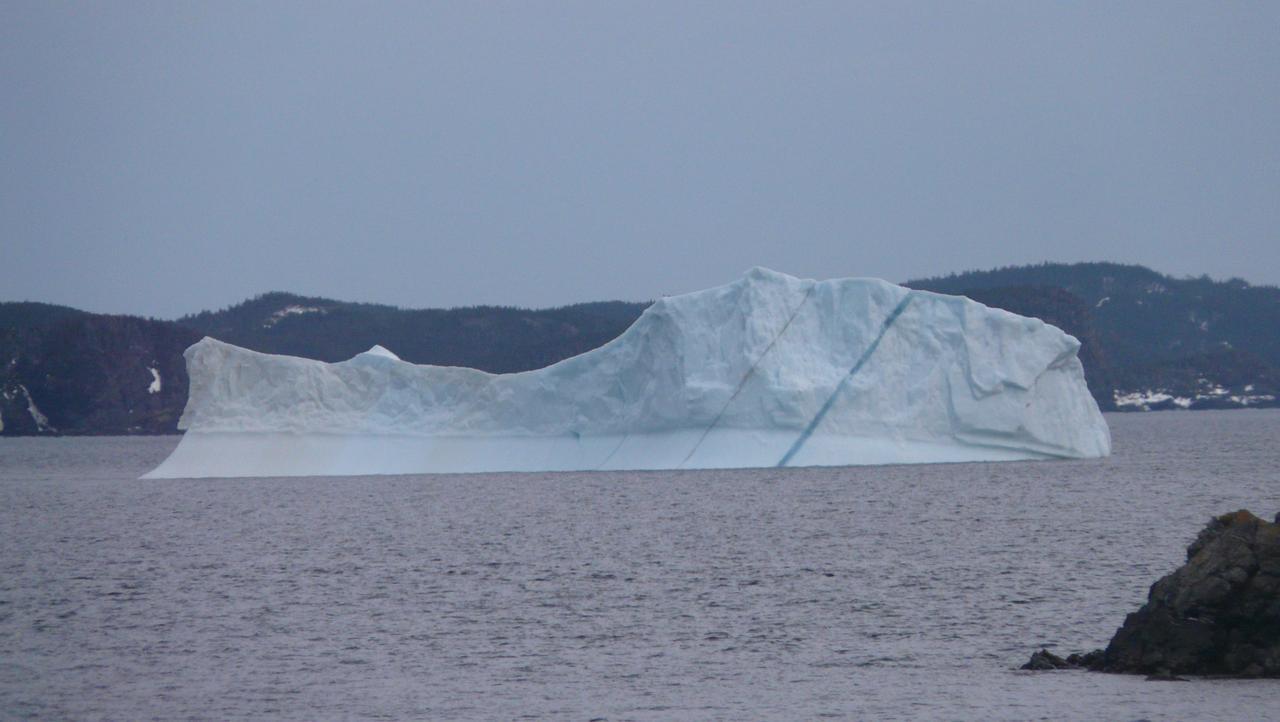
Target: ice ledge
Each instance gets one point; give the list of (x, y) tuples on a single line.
[(231, 454)]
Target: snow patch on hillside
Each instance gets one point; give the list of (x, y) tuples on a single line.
[(41, 421), (1253, 399), (293, 310), (1208, 394), (1146, 399)]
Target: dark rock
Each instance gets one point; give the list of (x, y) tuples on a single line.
[(1045, 660), (1091, 660), (1218, 614)]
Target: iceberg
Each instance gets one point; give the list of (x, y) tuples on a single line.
[(767, 371)]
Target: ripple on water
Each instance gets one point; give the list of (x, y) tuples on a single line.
[(910, 591)]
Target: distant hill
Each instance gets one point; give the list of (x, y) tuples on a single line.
[(82, 373), (1149, 341), (20, 315)]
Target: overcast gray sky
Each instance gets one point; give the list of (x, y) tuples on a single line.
[(166, 157)]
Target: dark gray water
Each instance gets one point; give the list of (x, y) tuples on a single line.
[(871, 592)]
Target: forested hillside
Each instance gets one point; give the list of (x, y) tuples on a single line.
[(73, 372)]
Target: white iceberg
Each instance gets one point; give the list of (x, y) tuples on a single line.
[(769, 370)]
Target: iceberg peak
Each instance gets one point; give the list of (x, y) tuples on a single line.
[(764, 273), (379, 351)]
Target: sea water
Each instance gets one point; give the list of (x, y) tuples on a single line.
[(860, 592)]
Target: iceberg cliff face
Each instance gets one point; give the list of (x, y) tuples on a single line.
[(767, 371)]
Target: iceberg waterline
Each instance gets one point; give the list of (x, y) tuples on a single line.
[(769, 370)]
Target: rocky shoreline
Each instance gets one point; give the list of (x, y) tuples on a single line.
[(1218, 614)]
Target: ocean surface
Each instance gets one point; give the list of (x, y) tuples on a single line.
[(895, 592)]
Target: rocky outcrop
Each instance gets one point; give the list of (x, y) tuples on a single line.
[(1045, 660), (1218, 614)]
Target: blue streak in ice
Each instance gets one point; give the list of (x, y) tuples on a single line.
[(822, 412)]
